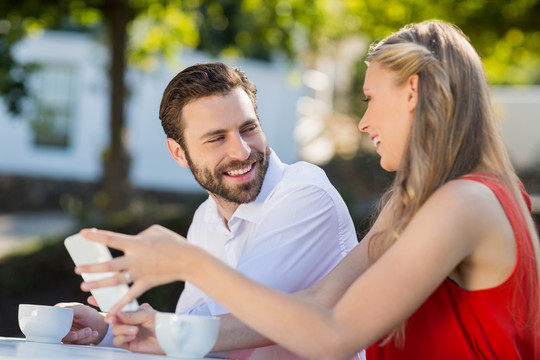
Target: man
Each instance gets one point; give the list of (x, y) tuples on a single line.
[(283, 225)]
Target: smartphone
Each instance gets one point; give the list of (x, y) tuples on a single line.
[(83, 252)]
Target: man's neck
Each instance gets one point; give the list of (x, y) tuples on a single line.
[(225, 208)]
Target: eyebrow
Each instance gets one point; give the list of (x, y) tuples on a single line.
[(223, 131)]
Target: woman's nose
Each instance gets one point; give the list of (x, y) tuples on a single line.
[(362, 125)]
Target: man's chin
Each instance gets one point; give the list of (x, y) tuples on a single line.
[(240, 196), (234, 200), (246, 198)]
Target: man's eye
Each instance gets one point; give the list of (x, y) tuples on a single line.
[(213, 140), (250, 129)]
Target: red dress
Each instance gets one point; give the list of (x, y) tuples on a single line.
[(454, 323)]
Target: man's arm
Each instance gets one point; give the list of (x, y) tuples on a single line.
[(234, 334)]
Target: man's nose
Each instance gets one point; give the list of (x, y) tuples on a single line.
[(239, 149)]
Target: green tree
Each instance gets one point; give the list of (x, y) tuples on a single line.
[(22, 17), (139, 32), (506, 33)]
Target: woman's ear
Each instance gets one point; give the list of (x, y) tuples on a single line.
[(412, 84), (177, 152)]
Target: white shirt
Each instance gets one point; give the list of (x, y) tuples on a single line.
[(295, 231)]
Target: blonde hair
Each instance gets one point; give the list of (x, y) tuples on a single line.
[(453, 131)]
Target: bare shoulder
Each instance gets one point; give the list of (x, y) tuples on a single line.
[(467, 196), (475, 210), (467, 211)]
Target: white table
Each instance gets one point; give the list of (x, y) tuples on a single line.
[(19, 348)]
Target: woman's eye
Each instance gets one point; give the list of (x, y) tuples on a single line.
[(366, 99)]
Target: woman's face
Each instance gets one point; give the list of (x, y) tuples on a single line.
[(389, 114)]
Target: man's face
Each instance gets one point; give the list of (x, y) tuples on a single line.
[(226, 148)]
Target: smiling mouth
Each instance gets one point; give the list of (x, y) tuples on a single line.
[(376, 140), (241, 171)]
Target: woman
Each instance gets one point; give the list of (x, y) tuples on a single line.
[(450, 268)]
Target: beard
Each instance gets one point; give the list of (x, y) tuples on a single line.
[(243, 193)]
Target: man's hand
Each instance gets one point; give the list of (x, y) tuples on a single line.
[(135, 330), (89, 326)]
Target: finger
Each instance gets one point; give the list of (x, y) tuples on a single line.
[(114, 265), (112, 319), (160, 230), (137, 317), (124, 330), (92, 301), (123, 341), (82, 336), (70, 337), (115, 279), (147, 306), (150, 230), (109, 238), (86, 336), (136, 290)]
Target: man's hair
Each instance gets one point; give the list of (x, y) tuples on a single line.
[(195, 82)]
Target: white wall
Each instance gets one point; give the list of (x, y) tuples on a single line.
[(81, 160), (152, 165), (518, 109)]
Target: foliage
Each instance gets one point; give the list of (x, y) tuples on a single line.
[(12, 73), (506, 34)]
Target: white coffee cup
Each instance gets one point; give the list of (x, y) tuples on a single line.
[(186, 336), (43, 323)]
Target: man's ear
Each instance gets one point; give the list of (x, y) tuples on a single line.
[(177, 152), (412, 85)]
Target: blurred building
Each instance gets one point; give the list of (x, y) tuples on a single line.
[(63, 131), (518, 110)]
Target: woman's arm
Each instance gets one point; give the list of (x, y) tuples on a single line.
[(446, 230), (234, 334)]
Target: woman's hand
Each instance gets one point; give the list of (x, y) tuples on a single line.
[(153, 257), (135, 331)]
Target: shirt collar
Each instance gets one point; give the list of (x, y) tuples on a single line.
[(252, 211)]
